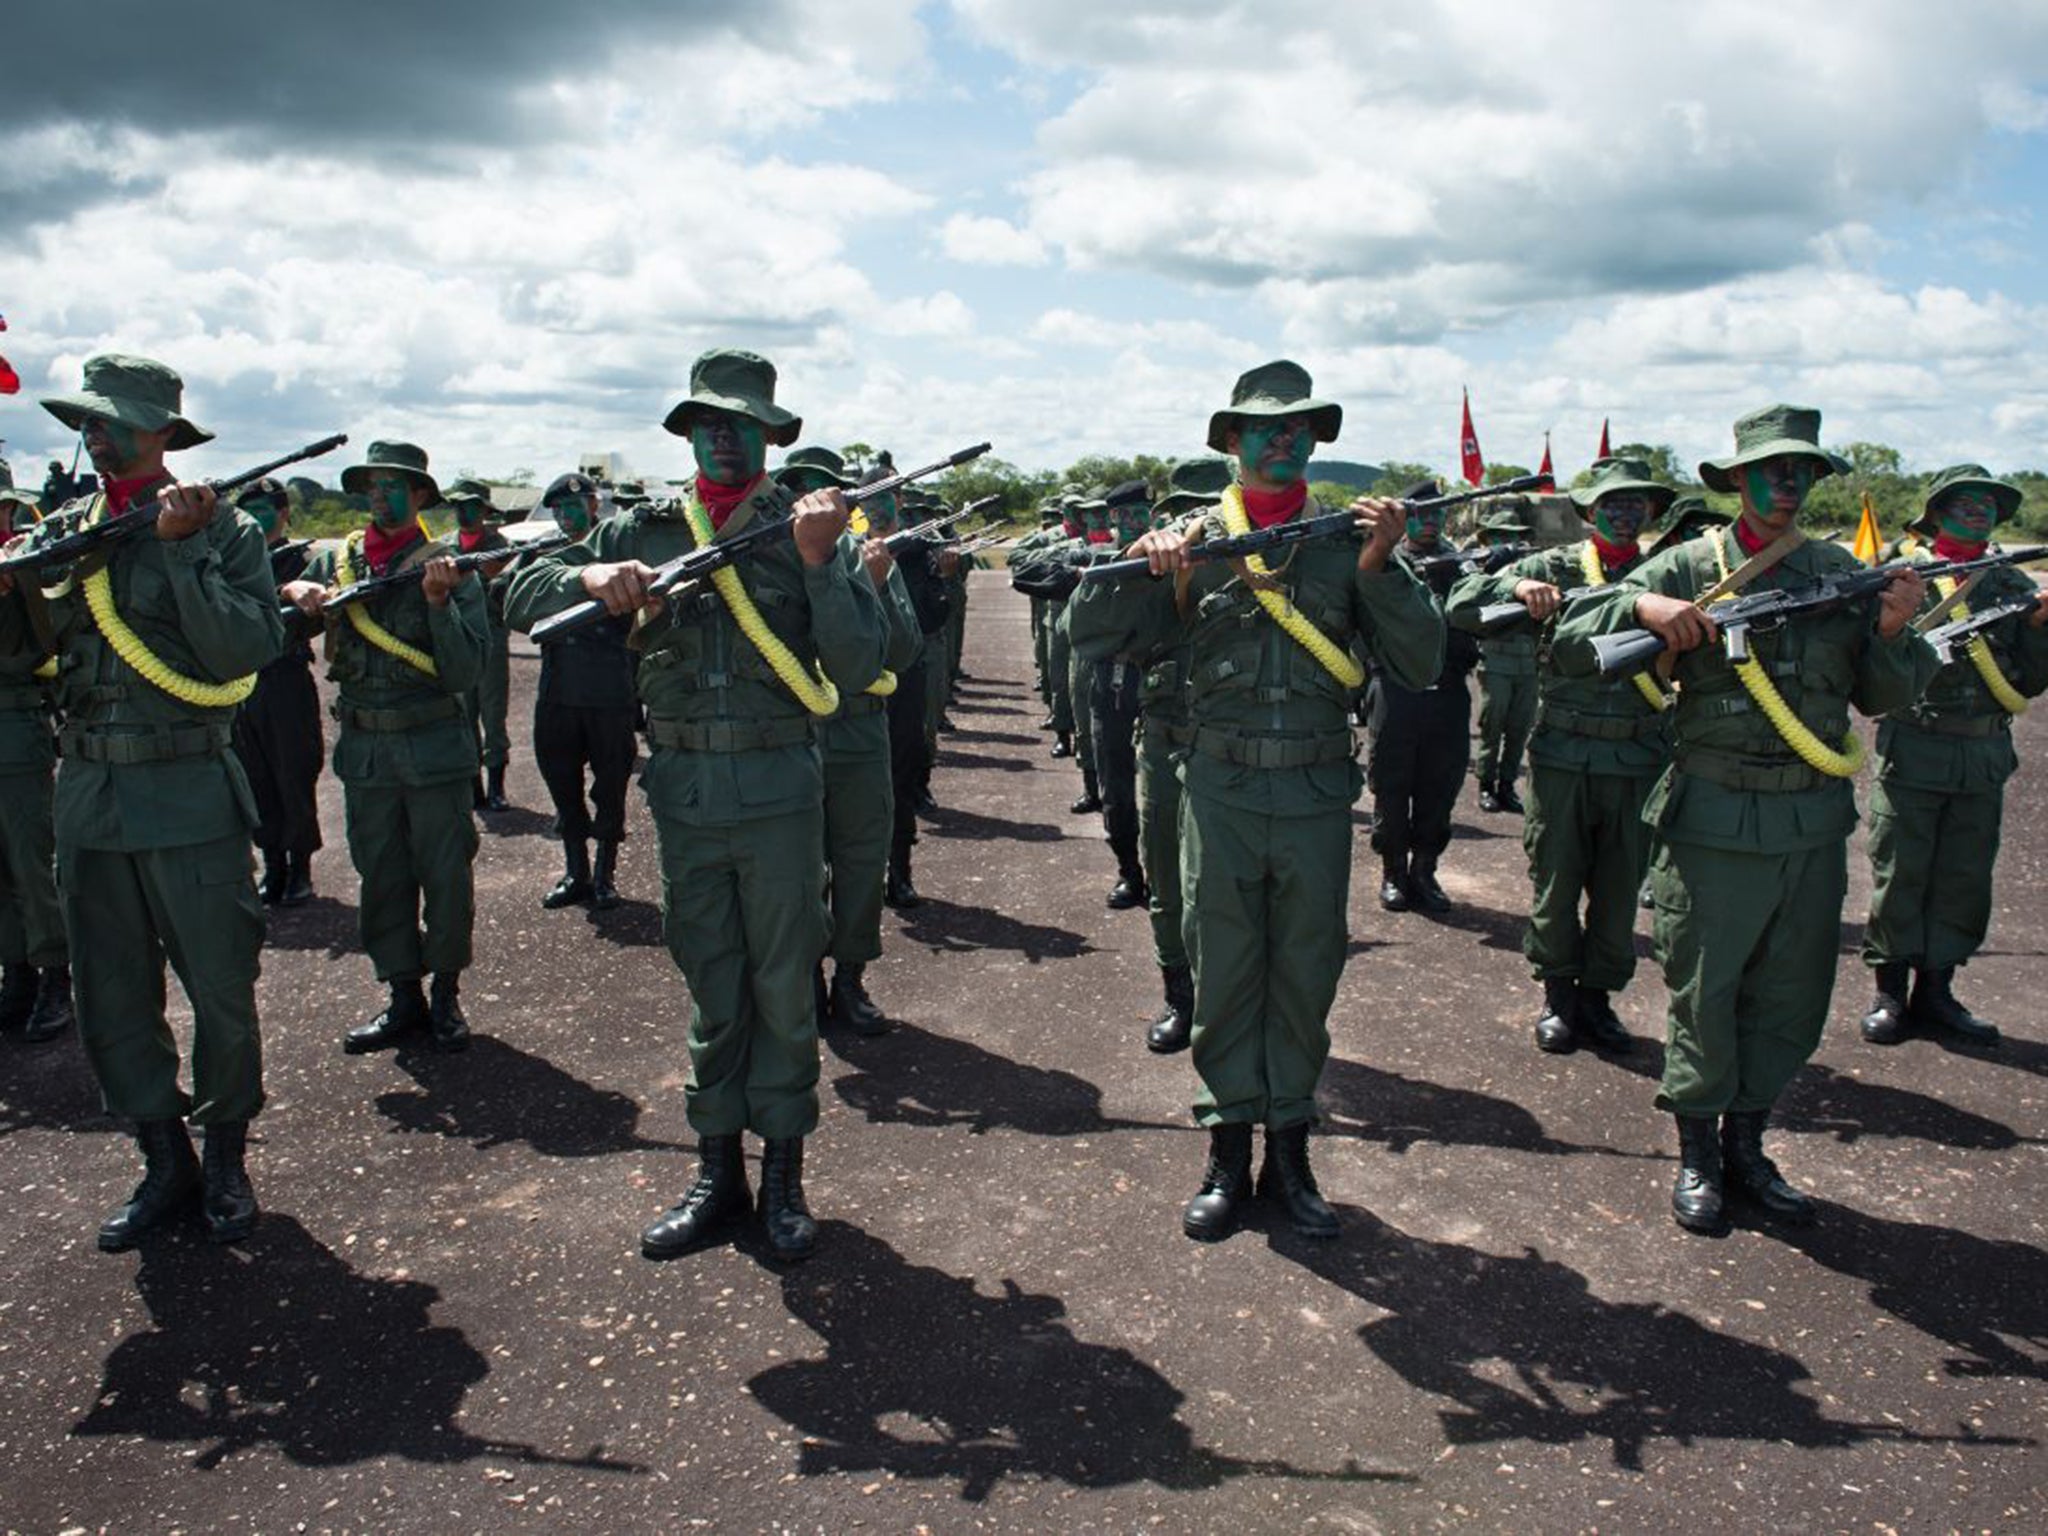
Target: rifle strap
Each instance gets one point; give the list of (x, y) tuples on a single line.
[(1333, 658), (1654, 693), (1756, 565)]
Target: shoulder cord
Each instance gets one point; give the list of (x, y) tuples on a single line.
[(152, 668), (1280, 608), (1596, 576), (1794, 732), (369, 628), (816, 694), (2007, 697)]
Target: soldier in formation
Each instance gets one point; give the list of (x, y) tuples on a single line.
[(490, 699), (1507, 686)]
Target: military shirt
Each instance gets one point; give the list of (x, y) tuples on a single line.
[(860, 730)]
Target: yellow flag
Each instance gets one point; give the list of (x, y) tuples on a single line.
[(1869, 543)]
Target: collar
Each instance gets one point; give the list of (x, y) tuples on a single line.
[(1946, 548), (1751, 543), (383, 549), (470, 540)]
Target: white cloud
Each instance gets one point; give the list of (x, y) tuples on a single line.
[(990, 242)]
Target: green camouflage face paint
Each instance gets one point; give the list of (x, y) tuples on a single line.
[(1968, 515), (264, 511), (730, 449), (390, 498), (1619, 519), (469, 514), (1275, 450), (1425, 528)]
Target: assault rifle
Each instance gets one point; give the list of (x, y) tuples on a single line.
[(1948, 638), (66, 548), (1738, 617), (1299, 531), (698, 563), (1493, 618), (1464, 561), (475, 560)]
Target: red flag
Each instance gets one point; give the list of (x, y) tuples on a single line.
[(10, 381), (1548, 475), (1605, 451), (1473, 464)]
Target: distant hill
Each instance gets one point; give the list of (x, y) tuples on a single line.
[(1342, 472)]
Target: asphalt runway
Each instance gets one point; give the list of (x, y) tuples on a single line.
[(443, 1323)]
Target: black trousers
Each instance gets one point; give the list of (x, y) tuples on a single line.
[(1113, 694), (278, 739), (909, 762), (568, 740), (1421, 744)]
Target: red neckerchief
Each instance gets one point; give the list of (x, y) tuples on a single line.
[(470, 540), (381, 548), (1946, 548), (1071, 530), (1265, 508), (1751, 543), (721, 501), (1099, 535), (1614, 556), (123, 494)]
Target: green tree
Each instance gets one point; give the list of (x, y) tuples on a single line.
[(1498, 473), (1396, 478)]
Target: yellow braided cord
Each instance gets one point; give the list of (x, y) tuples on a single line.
[(47, 668), (1814, 752), (815, 694), (1596, 576), (376, 634), (2002, 692), (884, 685), (1280, 608), (152, 668)]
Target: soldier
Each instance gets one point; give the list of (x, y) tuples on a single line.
[(1097, 539), (1115, 682), (1269, 778), (277, 732), (1507, 687), (156, 647), (1753, 818), (1047, 530), (35, 966), (920, 567), (1421, 742), (732, 681), (1939, 799), (585, 717), (490, 701), (938, 647), (1689, 518), (402, 662), (1056, 648), (1600, 746)]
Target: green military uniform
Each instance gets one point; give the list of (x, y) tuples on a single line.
[(153, 813), (1507, 690), (490, 701), (1096, 539), (1047, 530), (1937, 806), (1269, 780), (406, 755), (1058, 657), (736, 787), (1750, 867), (1689, 517), (1599, 747)]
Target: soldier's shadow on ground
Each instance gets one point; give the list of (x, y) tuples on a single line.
[(993, 738), (1825, 1102), (927, 1377), (495, 1095), (516, 821), (1493, 928), (632, 924), (943, 925), (2029, 1056), (913, 1076), (49, 1087), (325, 922), (1370, 1104), (281, 1344), (972, 827), (952, 757), (1522, 1350)]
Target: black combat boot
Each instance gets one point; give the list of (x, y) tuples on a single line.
[(494, 791), (298, 880), (1488, 800), (1063, 744), (405, 1015), (18, 986), (851, 1003), (52, 1015), (1558, 1030), (1504, 793), (444, 1013), (1696, 1203), (1886, 1023), (271, 887), (228, 1201), (1423, 890), (1172, 1030), (1226, 1186), (897, 890), (1394, 885), (1750, 1173), (604, 895), (1130, 889), (1285, 1176), (1601, 1023), (170, 1182), (1935, 1007), (1048, 724), (574, 887), (792, 1234), (718, 1198), (1091, 795)]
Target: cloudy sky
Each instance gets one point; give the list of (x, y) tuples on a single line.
[(503, 229)]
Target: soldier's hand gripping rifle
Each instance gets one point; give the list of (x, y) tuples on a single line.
[(1497, 618), (701, 562), (1756, 612), (1301, 530), (66, 548), (475, 560)]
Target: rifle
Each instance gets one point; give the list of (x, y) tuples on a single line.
[(698, 563), (1495, 618), (1464, 561), (113, 530), (901, 540), (1737, 617), (1947, 638), (1299, 531), (290, 547), (476, 559)]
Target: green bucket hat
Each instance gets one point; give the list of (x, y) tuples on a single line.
[(1276, 389), (14, 496), (406, 458), (136, 391), (1687, 513), (1503, 520), (629, 493), (1766, 434), (1612, 475), (1958, 477), (1196, 483), (1049, 515), (819, 461), (741, 382), (467, 489)]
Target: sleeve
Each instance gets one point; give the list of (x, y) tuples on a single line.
[(906, 637), (226, 598), (1481, 589), (1891, 674), (461, 634), (1400, 624), (846, 618), (542, 585), (1113, 618), (1612, 609)]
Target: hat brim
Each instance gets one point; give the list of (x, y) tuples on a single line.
[(76, 410), (1186, 501), (787, 472), (352, 480), (2006, 498), (1326, 419), (1585, 498), (782, 427), (1719, 474)]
